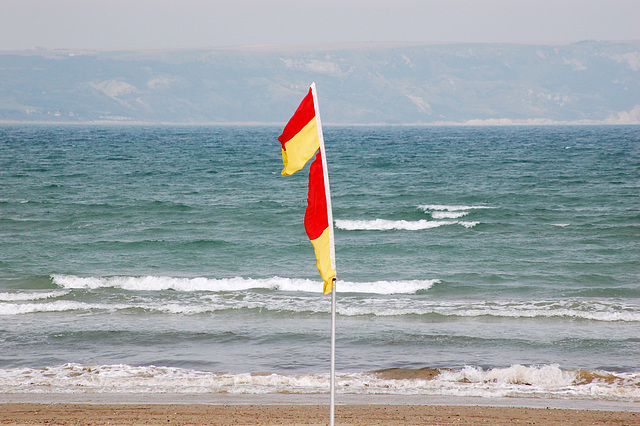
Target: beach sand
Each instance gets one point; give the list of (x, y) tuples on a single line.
[(375, 414)]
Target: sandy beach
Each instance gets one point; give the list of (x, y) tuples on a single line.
[(202, 414)]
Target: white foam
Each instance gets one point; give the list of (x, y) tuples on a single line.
[(547, 381), (159, 283), (386, 287), (468, 224), (399, 301), (23, 296), (9, 309), (440, 207), (448, 214), (561, 225), (575, 309), (437, 211), (386, 225), (77, 378), (546, 376), (56, 306)]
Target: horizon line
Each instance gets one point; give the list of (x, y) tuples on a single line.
[(308, 46)]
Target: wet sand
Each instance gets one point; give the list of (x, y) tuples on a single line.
[(278, 414)]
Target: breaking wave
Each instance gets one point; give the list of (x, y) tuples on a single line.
[(438, 212), (24, 296), (548, 381), (158, 283), (440, 207), (379, 298), (574, 309), (387, 225)]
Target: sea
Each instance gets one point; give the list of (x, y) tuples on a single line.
[(479, 262)]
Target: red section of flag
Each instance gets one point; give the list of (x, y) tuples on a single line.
[(303, 115), (315, 217)]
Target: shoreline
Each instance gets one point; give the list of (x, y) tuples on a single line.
[(267, 414), (283, 399)]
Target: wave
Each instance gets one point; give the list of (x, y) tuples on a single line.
[(448, 214), (356, 300), (24, 296), (158, 283), (197, 306), (548, 381), (7, 309), (387, 225), (440, 207), (572, 309), (468, 224), (438, 211)]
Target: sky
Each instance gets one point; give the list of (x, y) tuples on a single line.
[(157, 24)]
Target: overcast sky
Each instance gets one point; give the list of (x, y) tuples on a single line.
[(115, 24)]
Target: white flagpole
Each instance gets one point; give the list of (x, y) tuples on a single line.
[(332, 250), (332, 409)]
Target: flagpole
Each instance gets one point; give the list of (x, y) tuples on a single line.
[(332, 385), (332, 410)]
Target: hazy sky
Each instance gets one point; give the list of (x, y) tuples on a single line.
[(114, 24)]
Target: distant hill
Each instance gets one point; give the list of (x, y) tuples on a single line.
[(365, 84)]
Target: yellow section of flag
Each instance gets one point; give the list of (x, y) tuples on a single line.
[(300, 148), (321, 246)]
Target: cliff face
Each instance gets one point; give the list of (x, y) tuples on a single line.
[(422, 84)]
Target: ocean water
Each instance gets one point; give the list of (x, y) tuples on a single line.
[(471, 261)]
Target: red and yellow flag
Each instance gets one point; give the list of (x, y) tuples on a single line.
[(301, 138)]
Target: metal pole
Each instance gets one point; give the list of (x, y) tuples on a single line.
[(332, 251), (333, 355)]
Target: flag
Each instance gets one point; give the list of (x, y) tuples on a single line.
[(316, 223), (300, 139)]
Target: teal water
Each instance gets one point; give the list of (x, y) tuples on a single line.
[(477, 249)]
